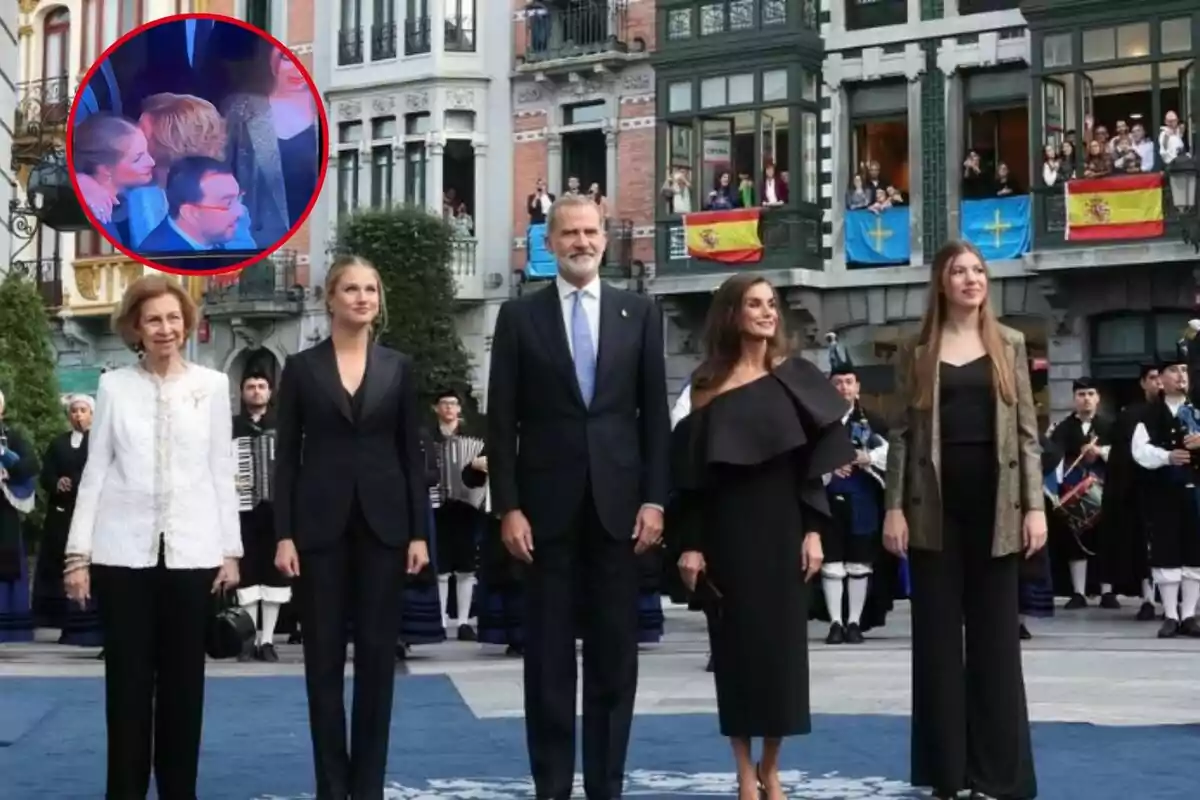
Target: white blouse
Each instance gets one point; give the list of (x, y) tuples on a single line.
[(160, 470)]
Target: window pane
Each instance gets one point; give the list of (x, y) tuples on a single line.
[(350, 132), (775, 85), (347, 181), (810, 142), (381, 176), (1121, 336), (460, 121), (774, 12), (712, 18), (1056, 50), (678, 191), (416, 124), (1099, 45), (383, 127), (741, 89), (712, 92), (717, 154), (1133, 41), (741, 15), (679, 96), (414, 174), (809, 90), (679, 23), (1176, 35)]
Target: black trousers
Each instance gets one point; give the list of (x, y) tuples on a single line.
[(357, 586), (154, 623), (591, 574), (970, 724)]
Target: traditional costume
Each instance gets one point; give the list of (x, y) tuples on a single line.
[(64, 458), (499, 593), (18, 475), (1080, 484), (1172, 501), (421, 619), (459, 524), (851, 543), (1122, 542), (263, 590)]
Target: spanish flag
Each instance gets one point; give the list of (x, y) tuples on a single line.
[(1116, 207), (730, 237)]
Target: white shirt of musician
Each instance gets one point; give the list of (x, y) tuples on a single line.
[(1147, 455), (1086, 426), (160, 468)]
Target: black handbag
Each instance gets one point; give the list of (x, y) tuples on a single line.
[(230, 628)]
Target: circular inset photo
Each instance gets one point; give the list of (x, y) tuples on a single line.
[(197, 144)]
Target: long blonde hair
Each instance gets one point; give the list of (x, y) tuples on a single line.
[(334, 277), (921, 376)]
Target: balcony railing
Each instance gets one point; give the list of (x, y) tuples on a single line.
[(556, 33), (350, 46), (416, 36), (383, 41), (863, 14), (464, 265), (791, 239), (1106, 222), (268, 288), (41, 105), (984, 6), (47, 274)]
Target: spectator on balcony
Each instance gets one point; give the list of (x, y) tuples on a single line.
[(724, 196), (746, 190), (774, 190), (1125, 159), (462, 223), (1171, 142), (875, 179), (111, 157), (1067, 152), (858, 197), (1121, 137), (1143, 146), (1006, 184), (881, 202), (538, 204), (600, 200), (274, 144), (976, 184), (895, 197), (1099, 162), (1100, 134), (1055, 169), (538, 19), (677, 191), (177, 126)]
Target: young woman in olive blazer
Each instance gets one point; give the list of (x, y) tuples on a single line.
[(964, 505)]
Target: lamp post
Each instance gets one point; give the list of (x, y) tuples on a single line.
[(1182, 174)]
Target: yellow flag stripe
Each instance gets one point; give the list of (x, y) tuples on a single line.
[(1115, 208), (717, 237)]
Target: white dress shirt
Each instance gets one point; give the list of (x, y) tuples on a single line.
[(160, 468), (1147, 455), (591, 309)]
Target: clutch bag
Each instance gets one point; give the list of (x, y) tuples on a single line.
[(230, 628)]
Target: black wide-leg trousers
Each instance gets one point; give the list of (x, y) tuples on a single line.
[(970, 724), (154, 623)]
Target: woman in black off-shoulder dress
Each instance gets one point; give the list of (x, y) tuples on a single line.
[(748, 508)]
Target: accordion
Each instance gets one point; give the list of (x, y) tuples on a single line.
[(455, 453), (255, 469)]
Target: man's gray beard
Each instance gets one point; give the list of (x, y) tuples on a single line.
[(575, 271)]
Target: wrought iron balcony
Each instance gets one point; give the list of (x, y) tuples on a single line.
[(47, 274), (383, 41), (268, 289), (350, 46), (984, 6), (578, 31), (416, 36), (863, 14)]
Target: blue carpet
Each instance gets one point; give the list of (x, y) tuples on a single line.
[(256, 746)]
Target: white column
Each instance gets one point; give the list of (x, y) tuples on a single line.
[(554, 179), (610, 165), (399, 167), (916, 174), (914, 11), (954, 149), (837, 15), (433, 175), (481, 189), (437, 32), (840, 153), (364, 172)]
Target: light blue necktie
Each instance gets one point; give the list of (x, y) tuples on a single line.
[(584, 349)]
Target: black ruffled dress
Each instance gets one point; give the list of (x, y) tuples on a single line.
[(747, 478)]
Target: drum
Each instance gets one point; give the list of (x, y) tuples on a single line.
[(1079, 508)]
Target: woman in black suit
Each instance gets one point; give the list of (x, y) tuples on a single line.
[(350, 517)]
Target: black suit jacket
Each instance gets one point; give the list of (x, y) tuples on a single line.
[(546, 448), (324, 457), (164, 239)]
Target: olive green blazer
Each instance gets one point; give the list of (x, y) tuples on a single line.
[(914, 457)]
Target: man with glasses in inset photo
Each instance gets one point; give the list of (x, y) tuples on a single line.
[(204, 203)]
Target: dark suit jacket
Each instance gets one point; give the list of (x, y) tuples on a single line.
[(325, 458), (546, 448), (164, 239), (157, 61)]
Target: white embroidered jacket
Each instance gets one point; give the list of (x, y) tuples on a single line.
[(160, 468)]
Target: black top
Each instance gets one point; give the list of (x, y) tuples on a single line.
[(968, 404), (300, 153)]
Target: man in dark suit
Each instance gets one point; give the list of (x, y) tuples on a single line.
[(203, 208), (578, 439), (194, 56)]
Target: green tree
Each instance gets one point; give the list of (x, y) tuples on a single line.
[(411, 249), (32, 404)]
